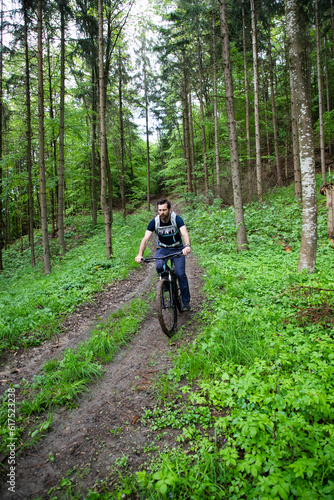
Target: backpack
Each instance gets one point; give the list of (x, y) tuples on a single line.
[(172, 229)]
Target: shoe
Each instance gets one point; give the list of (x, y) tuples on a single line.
[(185, 306)]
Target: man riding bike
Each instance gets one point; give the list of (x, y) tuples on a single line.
[(170, 229)]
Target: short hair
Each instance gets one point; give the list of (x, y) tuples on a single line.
[(163, 201)]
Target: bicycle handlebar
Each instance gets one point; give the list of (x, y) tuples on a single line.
[(167, 257)]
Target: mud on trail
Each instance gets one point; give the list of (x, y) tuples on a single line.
[(106, 426)]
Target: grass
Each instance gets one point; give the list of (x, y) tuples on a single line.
[(63, 380), (262, 363), (33, 305)]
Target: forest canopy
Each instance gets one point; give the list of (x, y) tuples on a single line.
[(103, 105)]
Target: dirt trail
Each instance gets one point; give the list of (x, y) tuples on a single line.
[(106, 426)]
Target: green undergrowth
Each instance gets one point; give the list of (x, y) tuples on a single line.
[(262, 365), (63, 380), (32, 305)]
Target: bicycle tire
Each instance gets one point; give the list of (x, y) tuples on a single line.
[(166, 308), (177, 296)]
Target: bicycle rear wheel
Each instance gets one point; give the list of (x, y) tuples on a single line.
[(166, 308)]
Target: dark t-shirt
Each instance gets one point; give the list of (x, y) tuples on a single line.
[(165, 230)]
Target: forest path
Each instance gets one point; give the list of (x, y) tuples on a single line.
[(106, 426)]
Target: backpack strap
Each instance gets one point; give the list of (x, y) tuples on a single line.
[(173, 223)]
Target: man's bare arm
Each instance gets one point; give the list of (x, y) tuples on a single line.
[(186, 239), (143, 245)]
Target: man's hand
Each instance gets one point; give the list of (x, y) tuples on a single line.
[(138, 258), (186, 250)]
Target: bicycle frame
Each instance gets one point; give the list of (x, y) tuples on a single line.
[(168, 273)]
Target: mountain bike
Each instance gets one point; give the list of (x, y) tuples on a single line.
[(168, 297)]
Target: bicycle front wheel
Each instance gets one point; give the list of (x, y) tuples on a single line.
[(166, 308)]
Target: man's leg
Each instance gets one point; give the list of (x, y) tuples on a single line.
[(161, 252), (180, 270)]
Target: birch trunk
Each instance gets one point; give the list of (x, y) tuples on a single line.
[(232, 132), (308, 248), (42, 180)]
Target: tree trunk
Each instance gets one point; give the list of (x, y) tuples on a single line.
[(192, 145), (256, 108), (273, 107), (93, 151), (2, 226), (206, 177), (327, 91), (53, 145), (332, 25), (186, 133), (249, 165), (307, 256), (215, 100), (295, 142), (42, 180), (121, 132), (320, 94), (232, 131), (105, 203), (148, 195), (61, 235), (29, 152)]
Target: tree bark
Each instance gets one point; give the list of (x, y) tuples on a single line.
[(200, 77), (308, 248), (215, 101), (61, 235), (248, 142), (192, 144), (273, 108), (105, 203), (121, 133), (232, 132), (93, 150), (148, 194), (256, 108), (53, 144), (2, 225), (332, 25), (42, 180), (186, 133), (320, 94), (327, 91), (29, 135), (295, 142)]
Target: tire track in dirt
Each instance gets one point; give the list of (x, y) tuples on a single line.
[(106, 426)]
